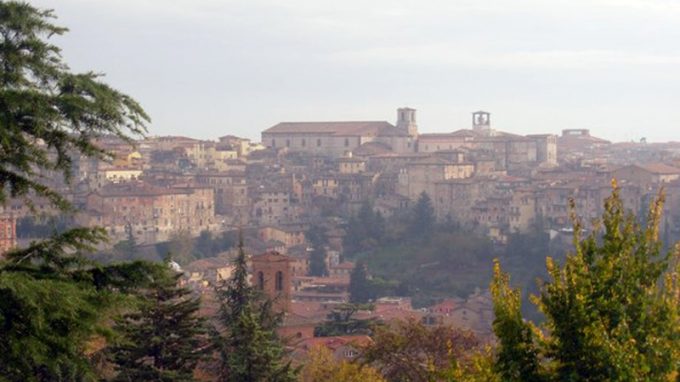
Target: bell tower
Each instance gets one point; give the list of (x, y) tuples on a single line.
[(406, 121), (481, 122), (271, 275)]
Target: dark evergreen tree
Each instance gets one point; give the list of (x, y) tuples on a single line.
[(353, 237), (364, 231), (423, 218), (317, 260), (43, 101), (379, 227), (53, 302), (249, 348), (341, 322), (127, 249), (359, 284), (366, 215), (164, 339)]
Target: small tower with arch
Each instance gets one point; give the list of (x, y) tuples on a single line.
[(271, 274), (481, 122)]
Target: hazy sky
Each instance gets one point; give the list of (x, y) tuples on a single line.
[(206, 68)]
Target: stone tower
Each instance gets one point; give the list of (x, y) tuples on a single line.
[(406, 120), (481, 122), (271, 274)]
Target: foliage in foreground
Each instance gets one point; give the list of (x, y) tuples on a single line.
[(411, 351), (163, 339), (322, 366), (53, 302), (612, 310)]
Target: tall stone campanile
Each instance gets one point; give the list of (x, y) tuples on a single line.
[(271, 274), (406, 120)]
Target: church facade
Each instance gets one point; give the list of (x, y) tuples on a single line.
[(338, 139)]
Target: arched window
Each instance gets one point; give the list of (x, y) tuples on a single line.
[(279, 281), (260, 280)]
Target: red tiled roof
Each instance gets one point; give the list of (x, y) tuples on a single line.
[(333, 128), (271, 256)]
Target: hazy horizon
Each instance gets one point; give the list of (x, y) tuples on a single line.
[(206, 68)]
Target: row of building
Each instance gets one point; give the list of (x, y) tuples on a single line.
[(304, 173)]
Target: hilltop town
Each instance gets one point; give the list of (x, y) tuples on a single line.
[(172, 193)]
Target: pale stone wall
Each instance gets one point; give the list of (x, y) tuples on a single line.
[(331, 145)]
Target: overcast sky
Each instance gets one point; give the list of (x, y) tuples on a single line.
[(207, 68)]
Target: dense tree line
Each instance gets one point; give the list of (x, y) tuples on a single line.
[(395, 252)]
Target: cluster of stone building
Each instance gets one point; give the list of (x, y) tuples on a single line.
[(319, 173), (481, 177)]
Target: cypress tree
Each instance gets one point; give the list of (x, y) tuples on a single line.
[(127, 248), (423, 219), (164, 339), (249, 348), (317, 260), (359, 285)]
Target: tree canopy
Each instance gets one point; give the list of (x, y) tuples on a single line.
[(163, 339), (48, 113), (612, 309), (53, 301)]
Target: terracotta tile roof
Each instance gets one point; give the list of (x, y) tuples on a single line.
[(208, 263), (463, 133), (334, 128), (269, 257)]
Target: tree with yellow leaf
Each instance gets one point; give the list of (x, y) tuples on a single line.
[(612, 310), (323, 367)]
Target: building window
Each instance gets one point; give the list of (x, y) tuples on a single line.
[(260, 280), (279, 281), (287, 142), (273, 142), (318, 143), (346, 142), (304, 143)]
